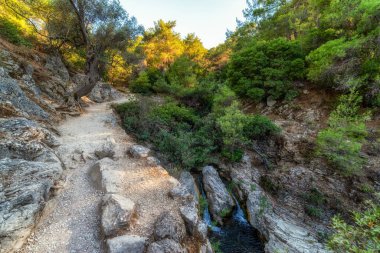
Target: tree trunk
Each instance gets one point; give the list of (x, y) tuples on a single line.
[(92, 72)]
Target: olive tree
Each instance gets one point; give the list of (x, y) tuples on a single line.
[(97, 26)]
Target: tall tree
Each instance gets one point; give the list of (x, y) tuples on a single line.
[(162, 46)]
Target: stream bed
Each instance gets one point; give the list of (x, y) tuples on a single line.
[(236, 235)]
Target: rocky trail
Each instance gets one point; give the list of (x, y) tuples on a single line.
[(73, 223)]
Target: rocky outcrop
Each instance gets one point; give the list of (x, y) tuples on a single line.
[(117, 214), (29, 169), (10, 92), (127, 243), (281, 232), (221, 202), (103, 92)]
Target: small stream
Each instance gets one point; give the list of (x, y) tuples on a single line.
[(236, 235)]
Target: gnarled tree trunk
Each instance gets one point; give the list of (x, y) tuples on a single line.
[(92, 72)]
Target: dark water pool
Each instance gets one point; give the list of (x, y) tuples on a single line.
[(236, 235)]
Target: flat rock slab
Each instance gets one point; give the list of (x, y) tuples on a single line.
[(117, 214), (127, 244)]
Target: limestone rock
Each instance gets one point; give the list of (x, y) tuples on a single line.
[(271, 102), (106, 150), (168, 227), (186, 188), (55, 65), (103, 92), (281, 232), (117, 214), (11, 91), (206, 248), (127, 244), (105, 177), (219, 198), (153, 161), (25, 187), (166, 246), (189, 214), (201, 231), (138, 151)]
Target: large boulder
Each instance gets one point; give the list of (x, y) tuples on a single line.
[(107, 149), (166, 246), (169, 227), (117, 214), (221, 202), (103, 92), (105, 176), (127, 244)]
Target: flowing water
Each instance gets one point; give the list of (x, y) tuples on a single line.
[(236, 235)]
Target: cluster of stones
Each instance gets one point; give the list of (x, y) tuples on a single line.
[(118, 213)]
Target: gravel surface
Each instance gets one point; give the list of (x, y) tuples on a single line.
[(72, 225)]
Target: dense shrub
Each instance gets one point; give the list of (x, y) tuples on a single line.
[(267, 68), (342, 141), (11, 32), (192, 139), (362, 236), (174, 130)]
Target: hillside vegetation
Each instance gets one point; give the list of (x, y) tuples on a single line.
[(200, 107)]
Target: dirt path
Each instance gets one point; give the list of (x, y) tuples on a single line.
[(73, 224)]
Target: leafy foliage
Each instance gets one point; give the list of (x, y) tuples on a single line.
[(193, 136), (266, 68), (342, 141), (362, 236)]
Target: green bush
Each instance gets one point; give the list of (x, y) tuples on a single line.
[(259, 126), (141, 84), (342, 141), (10, 32), (266, 68), (362, 236)]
